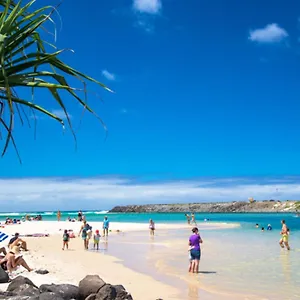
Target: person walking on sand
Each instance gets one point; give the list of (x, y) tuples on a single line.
[(96, 239), (84, 235), (195, 250), (66, 239), (58, 216), (188, 218), (151, 227), (193, 220), (105, 226), (284, 241)]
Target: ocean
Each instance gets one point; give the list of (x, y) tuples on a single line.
[(246, 220)]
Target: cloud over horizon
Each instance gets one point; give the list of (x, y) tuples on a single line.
[(271, 33), (106, 192)]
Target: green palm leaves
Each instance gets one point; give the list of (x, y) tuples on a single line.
[(26, 63)]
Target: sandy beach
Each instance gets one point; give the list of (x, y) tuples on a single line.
[(235, 264), (72, 265)]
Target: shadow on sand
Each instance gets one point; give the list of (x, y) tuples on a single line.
[(207, 272)]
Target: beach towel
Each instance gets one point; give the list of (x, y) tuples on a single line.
[(3, 236)]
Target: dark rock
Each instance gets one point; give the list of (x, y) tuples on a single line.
[(19, 297), (65, 291), (3, 276), (122, 294), (90, 284), (50, 296), (91, 297), (20, 280), (5, 295), (42, 271), (107, 292), (26, 290)]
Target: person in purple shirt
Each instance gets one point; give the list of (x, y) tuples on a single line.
[(195, 251)]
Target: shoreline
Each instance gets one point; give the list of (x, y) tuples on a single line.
[(72, 265)]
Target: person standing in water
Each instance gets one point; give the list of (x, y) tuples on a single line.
[(105, 226), (195, 251), (58, 216), (151, 227), (188, 218), (193, 219), (284, 241)]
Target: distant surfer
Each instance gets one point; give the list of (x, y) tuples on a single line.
[(188, 218), (284, 241)]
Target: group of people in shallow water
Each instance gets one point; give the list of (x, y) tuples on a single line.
[(86, 233), (285, 232), (191, 219)]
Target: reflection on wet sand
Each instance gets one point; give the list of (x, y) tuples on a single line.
[(233, 265)]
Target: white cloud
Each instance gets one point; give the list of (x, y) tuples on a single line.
[(108, 75), (103, 193), (272, 33), (61, 114), (147, 6)]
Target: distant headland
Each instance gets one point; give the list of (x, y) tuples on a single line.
[(266, 206)]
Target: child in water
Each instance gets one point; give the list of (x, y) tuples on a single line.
[(66, 238), (96, 239)]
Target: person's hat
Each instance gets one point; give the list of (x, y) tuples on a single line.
[(97, 231), (15, 250)]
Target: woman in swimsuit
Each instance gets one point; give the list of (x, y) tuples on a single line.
[(151, 227), (84, 235), (10, 262)]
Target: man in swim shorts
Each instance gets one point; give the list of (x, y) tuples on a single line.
[(284, 241), (17, 241), (105, 226)]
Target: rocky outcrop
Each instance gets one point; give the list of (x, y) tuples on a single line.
[(266, 206), (92, 287)]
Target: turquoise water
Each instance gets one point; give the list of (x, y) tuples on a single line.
[(247, 220)]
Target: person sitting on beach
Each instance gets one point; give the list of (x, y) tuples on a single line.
[(188, 218), (66, 239), (105, 226), (12, 260), (284, 241), (195, 251), (17, 241), (151, 227), (269, 227), (263, 229), (84, 235), (256, 225), (96, 239)]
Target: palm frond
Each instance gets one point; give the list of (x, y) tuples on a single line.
[(21, 31)]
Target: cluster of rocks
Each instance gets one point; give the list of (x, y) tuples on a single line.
[(92, 287), (223, 207)]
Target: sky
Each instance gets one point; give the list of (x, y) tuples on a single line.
[(205, 92)]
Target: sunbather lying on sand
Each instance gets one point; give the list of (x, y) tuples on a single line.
[(17, 241), (11, 261)]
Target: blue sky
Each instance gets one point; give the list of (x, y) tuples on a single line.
[(202, 89)]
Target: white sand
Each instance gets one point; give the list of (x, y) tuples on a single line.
[(71, 266)]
